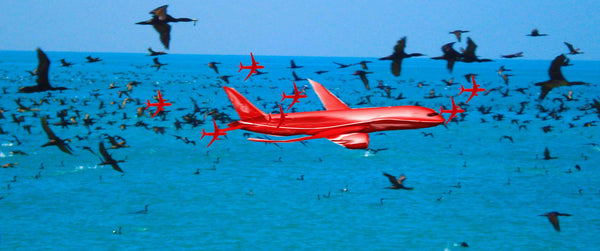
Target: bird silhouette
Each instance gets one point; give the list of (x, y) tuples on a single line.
[(536, 33), (42, 76), (572, 49), (108, 160), (160, 21), (556, 77), (397, 183), (398, 56), (54, 140), (450, 55), (553, 218)]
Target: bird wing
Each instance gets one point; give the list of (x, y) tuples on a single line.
[(396, 67), (164, 29), (399, 48), (471, 46), (365, 81), (160, 12), (47, 129), (545, 90), (553, 218), (42, 69), (401, 178), (554, 71), (64, 147), (570, 46), (391, 178)]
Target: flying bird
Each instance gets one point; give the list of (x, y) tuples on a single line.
[(514, 55), (450, 55), (398, 56), (556, 77), (572, 49), (64, 63), (397, 183), (155, 53), (54, 140), (293, 65), (553, 218), (157, 64), (536, 33), (363, 77), (42, 76), (90, 59), (108, 160), (213, 65), (469, 56), (160, 21)]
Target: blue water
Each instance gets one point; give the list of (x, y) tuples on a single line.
[(252, 199)]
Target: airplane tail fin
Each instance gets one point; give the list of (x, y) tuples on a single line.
[(241, 67), (243, 107), (203, 134), (283, 95), (148, 105), (462, 89)]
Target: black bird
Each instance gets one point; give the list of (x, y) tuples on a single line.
[(398, 56), (343, 65), (225, 78), (450, 55), (296, 78), (547, 155), (363, 77), (397, 183), (145, 211), (108, 160), (458, 33), (507, 137), (157, 64), (293, 65), (160, 21), (90, 59), (155, 53), (572, 49), (213, 65), (553, 218), (42, 76), (65, 63), (536, 33), (514, 55), (556, 77), (469, 56), (54, 140)]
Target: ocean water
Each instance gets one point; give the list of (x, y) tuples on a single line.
[(247, 195)]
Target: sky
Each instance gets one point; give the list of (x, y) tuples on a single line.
[(305, 28)]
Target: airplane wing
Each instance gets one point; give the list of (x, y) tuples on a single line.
[(160, 99), (158, 109), (251, 71), (330, 101), (349, 140), (473, 94), (253, 61)]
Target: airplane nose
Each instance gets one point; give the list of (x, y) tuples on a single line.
[(436, 117)]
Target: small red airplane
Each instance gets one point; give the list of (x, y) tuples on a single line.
[(160, 105), (252, 67), (339, 123), (218, 132), (297, 95), (473, 90), (453, 112)]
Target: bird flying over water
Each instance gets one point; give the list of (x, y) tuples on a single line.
[(469, 56), (553, 218), (397, 183), (160, 21), (450, 55), (108, 160), (458, 33), (157, 64), (572, 49), (363, 77), (54, 140), (398, 56), (42, 76), (556, 77), (536, 33), (155, 53)]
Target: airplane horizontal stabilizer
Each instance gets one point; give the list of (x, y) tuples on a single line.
[(352, 140), (243, 107)]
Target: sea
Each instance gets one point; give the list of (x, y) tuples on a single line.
[(482, 179)]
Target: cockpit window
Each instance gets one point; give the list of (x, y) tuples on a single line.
[(433, 114)]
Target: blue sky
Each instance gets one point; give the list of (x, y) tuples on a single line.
[(305, 28)]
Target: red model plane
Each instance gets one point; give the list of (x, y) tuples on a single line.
[(218, 132), (297, 95), (338, 123), (473, 90), (252, 67), (160, 105), (453, 112)]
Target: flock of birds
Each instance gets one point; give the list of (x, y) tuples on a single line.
[(160, 21)]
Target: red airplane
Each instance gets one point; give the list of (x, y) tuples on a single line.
[(160, 105), (297, 95), (218, 132), (473, 90), (338, 123), (252, 67), (453, 112)]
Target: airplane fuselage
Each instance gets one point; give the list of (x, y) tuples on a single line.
[(363, 120)]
